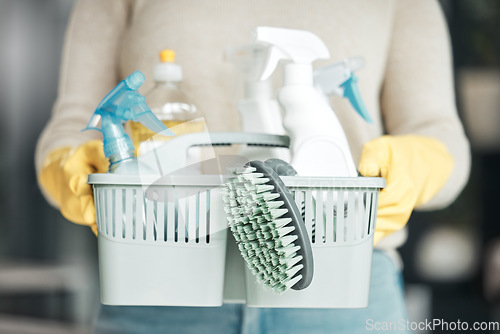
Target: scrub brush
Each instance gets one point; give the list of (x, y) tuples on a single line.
[(268, 227)]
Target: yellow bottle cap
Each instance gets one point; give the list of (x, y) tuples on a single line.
[(167, 56)]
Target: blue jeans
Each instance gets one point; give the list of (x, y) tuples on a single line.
[(386, 308)]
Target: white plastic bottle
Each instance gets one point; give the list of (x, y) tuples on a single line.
[(259, 110), (170, 104), (319, 144)]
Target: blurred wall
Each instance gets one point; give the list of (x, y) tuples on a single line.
[(33, 234), (31, 36), (453, 255)]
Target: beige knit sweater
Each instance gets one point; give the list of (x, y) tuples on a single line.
[(407, 83)]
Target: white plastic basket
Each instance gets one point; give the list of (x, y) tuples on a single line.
[(160, 245), (163, 242), (340, 216)]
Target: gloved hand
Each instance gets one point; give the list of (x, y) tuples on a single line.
[(415, 169), (64, 178)]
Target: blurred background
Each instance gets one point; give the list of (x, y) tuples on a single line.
[(48, 267)]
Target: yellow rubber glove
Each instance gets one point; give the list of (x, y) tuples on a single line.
[(415, 169), (64, 178)]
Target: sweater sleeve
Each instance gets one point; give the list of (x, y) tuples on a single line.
[(418, 92), (89, 69)]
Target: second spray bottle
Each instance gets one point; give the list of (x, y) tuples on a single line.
[(171, 105)]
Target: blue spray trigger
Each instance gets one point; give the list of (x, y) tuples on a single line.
[(123, 103), (351, 92), (132, 106), (149, 120), (126, 104)]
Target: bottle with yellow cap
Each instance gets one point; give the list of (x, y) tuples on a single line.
[(169, 103)]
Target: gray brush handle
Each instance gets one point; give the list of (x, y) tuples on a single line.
[(294, 213)]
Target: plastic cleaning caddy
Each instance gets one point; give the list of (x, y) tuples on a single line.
[(162, 239)]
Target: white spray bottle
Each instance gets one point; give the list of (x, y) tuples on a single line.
[(319, 145), (259, 111)]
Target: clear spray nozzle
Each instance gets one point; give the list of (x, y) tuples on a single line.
[(135, 80), (249, 59)]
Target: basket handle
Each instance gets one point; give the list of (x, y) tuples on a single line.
[(184, 142), (173, 152)]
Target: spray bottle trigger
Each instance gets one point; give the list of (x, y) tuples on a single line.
[(127, 105), (351, 92), (149, 120), (273, 58)]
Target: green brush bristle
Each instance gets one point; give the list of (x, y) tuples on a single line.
[(266, 242)]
